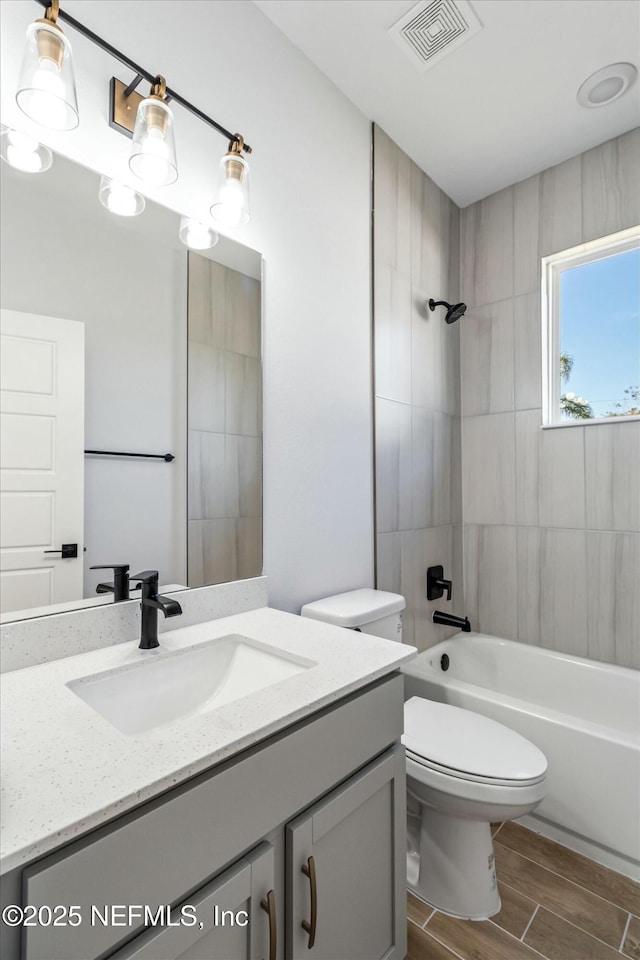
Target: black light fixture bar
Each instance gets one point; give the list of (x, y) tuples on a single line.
[(141, 73)]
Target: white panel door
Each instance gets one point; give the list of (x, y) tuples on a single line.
[(41, 459)]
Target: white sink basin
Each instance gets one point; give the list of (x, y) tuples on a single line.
[(165, 687)]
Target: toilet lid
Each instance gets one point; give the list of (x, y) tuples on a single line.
[(468, 742)]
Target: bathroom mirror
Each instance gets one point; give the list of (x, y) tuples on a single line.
[(118, 340)]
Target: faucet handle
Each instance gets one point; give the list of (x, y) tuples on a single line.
[(120, 585), (436, 584), (147, 576)]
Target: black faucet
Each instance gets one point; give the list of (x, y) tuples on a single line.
[(120, 586), (449, 620), (150, 603)]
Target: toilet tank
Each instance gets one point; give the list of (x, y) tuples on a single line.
[(369, 611)]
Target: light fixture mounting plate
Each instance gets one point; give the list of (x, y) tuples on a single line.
[(123, 110)]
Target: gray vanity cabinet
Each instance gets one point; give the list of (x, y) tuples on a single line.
[(235, 918), (345, 857), (328, 791)]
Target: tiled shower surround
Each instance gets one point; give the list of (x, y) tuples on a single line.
[(551, 518), (417, 389)]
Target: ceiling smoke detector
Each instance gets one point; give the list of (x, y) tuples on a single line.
[(430, 31)]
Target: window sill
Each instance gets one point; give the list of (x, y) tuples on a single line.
[(590, 423)]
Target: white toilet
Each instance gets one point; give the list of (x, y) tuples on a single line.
[(464, 772)]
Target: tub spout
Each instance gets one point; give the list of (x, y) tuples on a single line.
[(451, 621)]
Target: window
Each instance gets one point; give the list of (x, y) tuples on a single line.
[(591, 331)]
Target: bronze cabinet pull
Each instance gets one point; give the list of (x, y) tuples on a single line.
[(309, 870), (269, 907)]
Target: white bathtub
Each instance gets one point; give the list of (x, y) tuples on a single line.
[(584, 715)]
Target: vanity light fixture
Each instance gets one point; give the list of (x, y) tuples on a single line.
[(46, 93), (46, 87), (197, 235), (153, 154), (231, 206), (120, 199), (23, 152)]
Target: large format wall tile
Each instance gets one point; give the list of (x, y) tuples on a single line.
[(486, 359), (613, 571), (561, 478), (612, 467), (394, 560), (488, 469), (528, 438), (561, 207), (393, 466), (445, 464), (627, 611), (392, 204), (242, 318), (487, 249), (563, 591), (427, 374), (611, 182), (207, 497), (422, 466), (249, 547), (490, 578), (392, 337), (207, 301), (207, 388), (526, 236), (243, 395), (527, 327), (243, 475), (430, 241), (529, 575)]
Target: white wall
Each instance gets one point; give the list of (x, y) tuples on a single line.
[(310, 198)]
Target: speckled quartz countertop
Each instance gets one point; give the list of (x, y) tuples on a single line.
[(66, 770)]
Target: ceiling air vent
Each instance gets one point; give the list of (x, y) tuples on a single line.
[(429, 31)]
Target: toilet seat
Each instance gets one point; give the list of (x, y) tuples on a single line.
[(463, 775), (467, 746)]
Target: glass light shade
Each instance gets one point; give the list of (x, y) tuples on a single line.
[(197, 235), (47, 87), (231, 206), (120, 199), (153, 154), (24, 152)]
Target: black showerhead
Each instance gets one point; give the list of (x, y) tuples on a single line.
[(454, 311)]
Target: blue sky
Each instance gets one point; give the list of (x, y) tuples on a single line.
[(600, 328)]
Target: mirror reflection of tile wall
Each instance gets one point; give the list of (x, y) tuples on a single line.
[(225, 424)]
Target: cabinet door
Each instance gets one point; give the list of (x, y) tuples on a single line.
[(234, 918), (346, 863)]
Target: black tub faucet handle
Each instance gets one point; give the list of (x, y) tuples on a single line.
[(436, 584)]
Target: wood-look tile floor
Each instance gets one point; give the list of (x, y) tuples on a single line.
[(556, 905)]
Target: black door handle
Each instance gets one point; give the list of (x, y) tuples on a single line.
[(68, 551)]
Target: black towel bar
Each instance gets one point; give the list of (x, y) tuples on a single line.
[(115, 453)]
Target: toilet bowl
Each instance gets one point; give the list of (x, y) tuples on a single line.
[(464, 772)]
